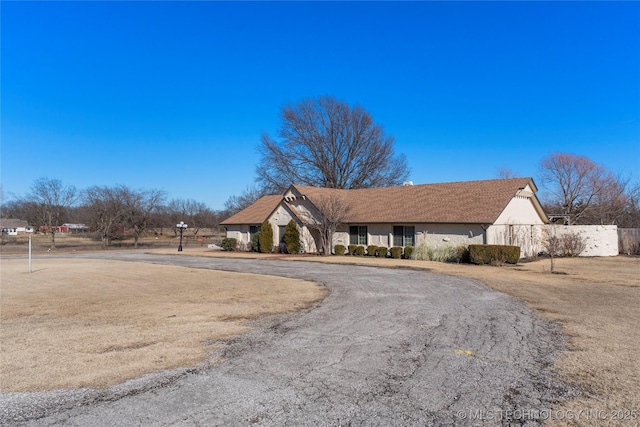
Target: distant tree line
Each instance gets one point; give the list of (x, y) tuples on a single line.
[(109, 211)]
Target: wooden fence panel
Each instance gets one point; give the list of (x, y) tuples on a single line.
[(629, 241)]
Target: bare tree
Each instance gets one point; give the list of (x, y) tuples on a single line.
[(630, 216), (139, 207), (332, 211), (327, 143), (551, 244), (105, 209), (22, 209), (574, 183), (195, 214), (50, 199)]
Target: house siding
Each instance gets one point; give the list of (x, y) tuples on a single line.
[(434, 234), (240, 233), (519, 224), (442, 235)]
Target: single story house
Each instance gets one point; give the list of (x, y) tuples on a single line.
[(499, 211), (13, 227)]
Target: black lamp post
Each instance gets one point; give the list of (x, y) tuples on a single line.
[(182, 226)]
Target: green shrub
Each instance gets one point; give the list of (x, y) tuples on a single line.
[(494, 254), (229, 244), (462, 254), (266, 237), (408, 251), (382, 251), (352, 249), (396, 252), (292, 238), (339, 250), (358, 251), (371, 250), (255, 242)]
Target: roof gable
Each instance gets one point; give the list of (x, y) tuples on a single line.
[(257, 213)]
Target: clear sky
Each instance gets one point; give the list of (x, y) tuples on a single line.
[(175, 95)]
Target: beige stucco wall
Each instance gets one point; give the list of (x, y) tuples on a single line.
[(519, 224), (307, 214), (440, 235), (341, 236), (528, 237), (601, 240), (520, 210), (240, 233), (434, 234)]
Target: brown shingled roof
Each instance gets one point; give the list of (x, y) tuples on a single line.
[(470, 202), (257, 213), (466, 202), (13, 223)]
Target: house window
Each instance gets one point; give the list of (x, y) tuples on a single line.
[(253, 230), (358, 235), (404, 235)]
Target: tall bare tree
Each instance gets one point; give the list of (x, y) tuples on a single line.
[(574, 183), (139, 209), (608, 205), (327, 143), (50, 198), (105, 209), (331, 213)]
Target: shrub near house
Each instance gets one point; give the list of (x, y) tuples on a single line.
[(292, 238), (494, 254), (266, 237)]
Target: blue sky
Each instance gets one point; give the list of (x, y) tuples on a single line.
[(175, 95)]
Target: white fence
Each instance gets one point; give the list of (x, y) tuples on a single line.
[(600, 240)]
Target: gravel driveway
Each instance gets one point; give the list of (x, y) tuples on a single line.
[(387, 347)]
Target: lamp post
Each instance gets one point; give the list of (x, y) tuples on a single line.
[(182, 226)]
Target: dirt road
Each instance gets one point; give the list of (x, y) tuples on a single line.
[(386, 347)]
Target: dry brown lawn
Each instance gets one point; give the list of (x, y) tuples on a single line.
[(87, 323)]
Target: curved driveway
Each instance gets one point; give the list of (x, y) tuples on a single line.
[(387, 347)]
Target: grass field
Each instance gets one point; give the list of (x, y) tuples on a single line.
[(88, 323)]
